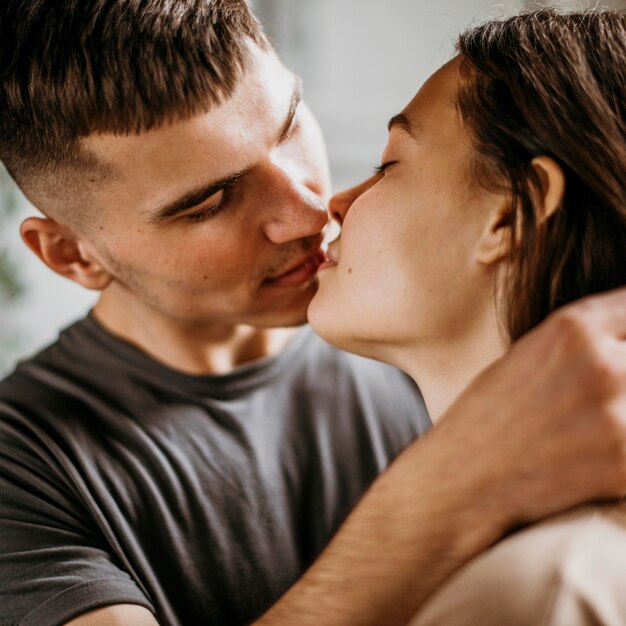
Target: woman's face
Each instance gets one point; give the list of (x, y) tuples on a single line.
[(408, 266)]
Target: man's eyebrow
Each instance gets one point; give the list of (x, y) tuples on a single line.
[(402, 121), (296, 98), (194, 197)]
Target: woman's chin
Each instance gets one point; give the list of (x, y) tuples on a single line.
[(332, 325), (326, 319), (334, 318)]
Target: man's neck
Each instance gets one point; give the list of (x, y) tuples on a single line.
[(196, 349)]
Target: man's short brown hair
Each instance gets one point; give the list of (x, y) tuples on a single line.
[(70, 68)]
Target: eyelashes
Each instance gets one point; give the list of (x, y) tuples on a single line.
[(208, 213), (222, 204), (293, 130), (380, 170)]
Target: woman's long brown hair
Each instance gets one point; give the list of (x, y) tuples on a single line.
[(554, 84)]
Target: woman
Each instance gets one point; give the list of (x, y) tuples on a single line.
[(501, 197)]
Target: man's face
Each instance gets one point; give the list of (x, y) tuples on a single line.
[(218, 219)]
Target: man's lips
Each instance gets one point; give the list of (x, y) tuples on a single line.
[(300, 272)]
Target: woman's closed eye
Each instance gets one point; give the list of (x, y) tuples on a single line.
[(381, 169)]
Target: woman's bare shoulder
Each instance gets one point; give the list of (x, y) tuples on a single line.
[(549, 574)]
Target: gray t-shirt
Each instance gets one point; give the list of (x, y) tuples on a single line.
[(202, 498)]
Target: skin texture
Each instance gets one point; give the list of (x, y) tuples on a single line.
[(494, 460), (121, 615), (414, 231)]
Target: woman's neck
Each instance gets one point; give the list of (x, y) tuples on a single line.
[(443, 369)]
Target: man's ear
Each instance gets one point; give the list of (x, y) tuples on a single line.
[(496, 241), (64, 252)]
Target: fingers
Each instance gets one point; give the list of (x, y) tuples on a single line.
[(602, 313), (340, 203)]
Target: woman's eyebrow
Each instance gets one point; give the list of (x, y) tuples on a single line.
[(402, 121)]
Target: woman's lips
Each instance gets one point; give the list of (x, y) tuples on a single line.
[(330, 261), (301, 274), (326, 265)]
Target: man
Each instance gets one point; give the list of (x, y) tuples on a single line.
[(183, 455)]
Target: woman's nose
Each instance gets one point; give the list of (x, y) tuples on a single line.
[(340, 203)]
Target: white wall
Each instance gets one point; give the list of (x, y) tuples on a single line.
[(363, 60)]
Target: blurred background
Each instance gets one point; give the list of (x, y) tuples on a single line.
[(361, 61)]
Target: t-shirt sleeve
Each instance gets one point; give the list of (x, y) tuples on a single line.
[(54, 564)]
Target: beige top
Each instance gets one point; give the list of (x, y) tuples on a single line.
[(569, 570)]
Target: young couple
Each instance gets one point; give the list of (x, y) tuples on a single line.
[(183, 455)]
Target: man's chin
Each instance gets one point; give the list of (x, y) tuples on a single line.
[(283, 319), (289, 314)]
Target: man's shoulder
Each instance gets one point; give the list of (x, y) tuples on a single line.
[(319, 353), (345, 379), (45, 381), (30, 370)]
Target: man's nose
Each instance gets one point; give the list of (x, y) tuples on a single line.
[(297, 210), (341, 202)]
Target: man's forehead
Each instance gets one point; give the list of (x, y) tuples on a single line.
[(260, 100), (158, 167)]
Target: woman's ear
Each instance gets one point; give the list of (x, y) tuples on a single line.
[(496, 241), (552, 186), (64, 252)]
